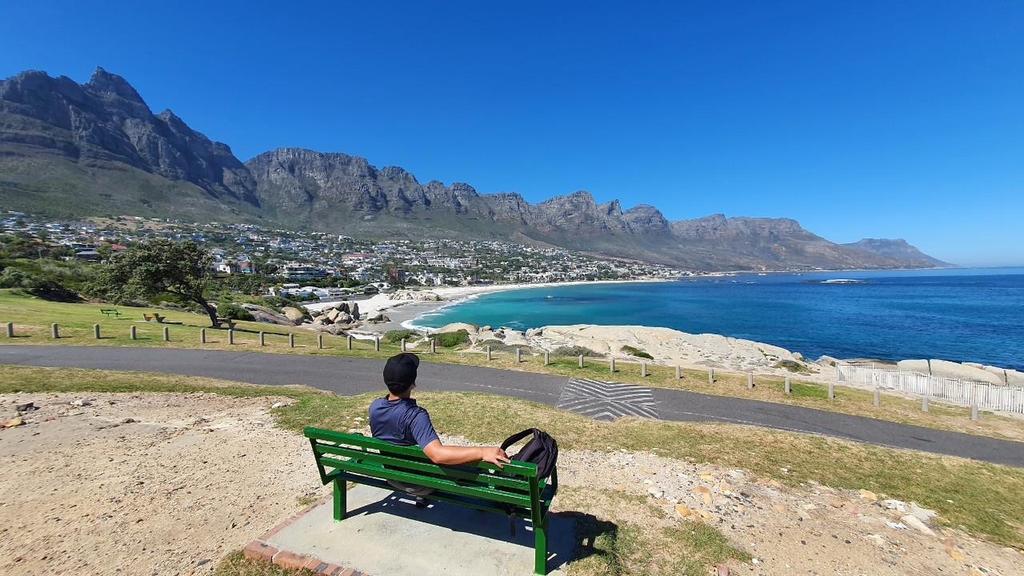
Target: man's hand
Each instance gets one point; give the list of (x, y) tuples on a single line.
[(494, 454)]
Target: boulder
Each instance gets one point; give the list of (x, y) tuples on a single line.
[(264, 314), (455, 327), (294, 314), (949, 369), (333, 314), (919, 366), (1006, 376)]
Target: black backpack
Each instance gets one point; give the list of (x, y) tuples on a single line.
[(542, 450)]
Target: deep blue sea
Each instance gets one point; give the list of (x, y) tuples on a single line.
[(954, 314)]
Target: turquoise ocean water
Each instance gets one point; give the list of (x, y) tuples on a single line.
[(955, 314)]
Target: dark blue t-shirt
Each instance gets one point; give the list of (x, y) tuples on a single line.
[(401, 422)]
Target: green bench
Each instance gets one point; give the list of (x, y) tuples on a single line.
[(514, 490), (108, 312)]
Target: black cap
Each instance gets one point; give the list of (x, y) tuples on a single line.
[(400, 372)]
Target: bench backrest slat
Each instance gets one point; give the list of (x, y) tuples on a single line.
[(526, 469), (449, 486), (466, 475)]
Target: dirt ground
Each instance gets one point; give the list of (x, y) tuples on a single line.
[(170, 483)]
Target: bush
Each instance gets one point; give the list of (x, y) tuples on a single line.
[(395, 336), (452, 339), (499, 346), (576, 351), (234, 312), (791, 365), (634, 351)]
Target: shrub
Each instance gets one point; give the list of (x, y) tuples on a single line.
[(499, 346), (234, 312), (634, 351), (395, 336), (576, 351), (791, 365), (452, 339)]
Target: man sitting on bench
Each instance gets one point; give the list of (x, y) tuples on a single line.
[(396, 418)]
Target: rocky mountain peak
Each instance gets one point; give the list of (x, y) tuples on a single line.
[(103, 82)]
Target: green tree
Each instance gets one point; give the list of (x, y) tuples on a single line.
[(158, 266)]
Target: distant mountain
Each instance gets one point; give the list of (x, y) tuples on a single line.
[(97, 149), (899, 249)]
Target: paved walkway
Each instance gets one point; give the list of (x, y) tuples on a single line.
[(345, 375)]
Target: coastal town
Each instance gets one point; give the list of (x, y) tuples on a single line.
[(313, 262)]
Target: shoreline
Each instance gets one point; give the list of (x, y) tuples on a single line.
[(667, 345)]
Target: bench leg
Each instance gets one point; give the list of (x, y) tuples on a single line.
[(540, 546), (340, 500)]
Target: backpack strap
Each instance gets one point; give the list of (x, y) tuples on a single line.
[(516, 438)]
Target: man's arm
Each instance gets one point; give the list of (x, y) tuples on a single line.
[(441, 454)]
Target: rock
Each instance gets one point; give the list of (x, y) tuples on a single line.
[(266, 315), (333, 314), (455, 327), (919, 366), (27, 407), (683, 510), (721, 570), (655, 492), (294, 314), (1006, 376), (895, 525), (955, 554), (16, 421), (916, 524), (81, 402), (279, 405), (868, 495), (894, 505), (922, 514), (353, 311), (877, 539)]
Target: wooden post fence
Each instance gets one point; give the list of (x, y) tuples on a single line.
[(643, 369), (376, 343), (519, 355), (679, 373), (96, 331), (131, 333), (291, 340), (547, 357), (611, 365), (54, 330), (263, 338), (831, 391), (10, 329), (320, 341), (581, 360), (788, 387), (167, 334), (231, 336), (202, 335), (750, 380), (711, 375)]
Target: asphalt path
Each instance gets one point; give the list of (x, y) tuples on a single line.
[(344, 375)]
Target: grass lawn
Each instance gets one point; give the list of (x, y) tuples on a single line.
[(32, 318)]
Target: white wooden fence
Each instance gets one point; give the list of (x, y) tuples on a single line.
[(963, 392)]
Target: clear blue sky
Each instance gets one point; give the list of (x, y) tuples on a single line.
[(859, 119)]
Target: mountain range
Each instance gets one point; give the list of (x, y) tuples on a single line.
[(72, 150)]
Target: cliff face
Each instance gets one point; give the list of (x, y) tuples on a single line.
[(105, 125), (898, 249)]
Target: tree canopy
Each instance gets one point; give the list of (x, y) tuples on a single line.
[(147, 269)]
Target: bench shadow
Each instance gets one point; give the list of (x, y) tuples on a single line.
[(584, 528)]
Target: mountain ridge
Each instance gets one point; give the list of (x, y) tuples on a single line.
[(97, 147)]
